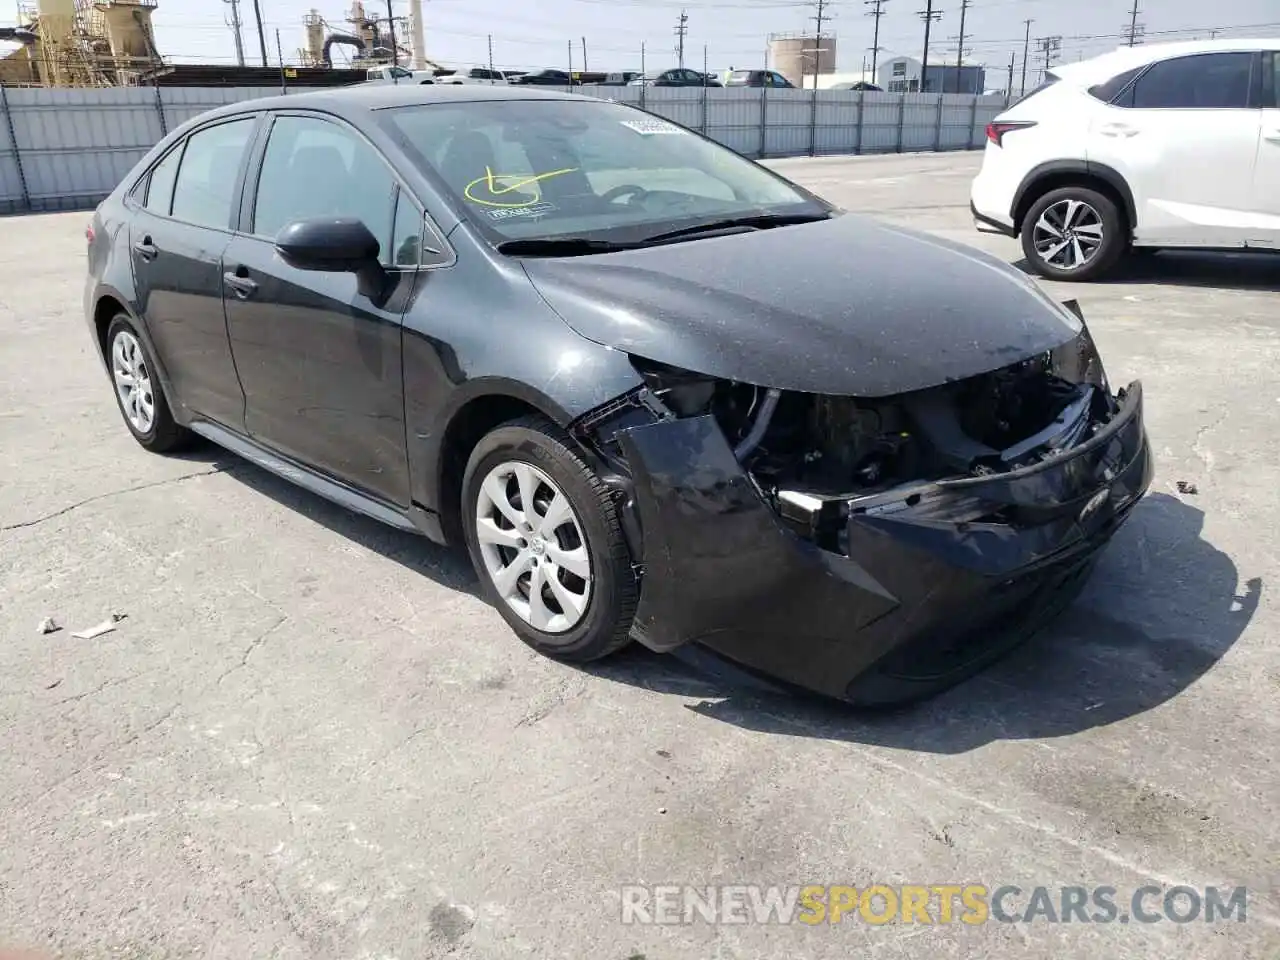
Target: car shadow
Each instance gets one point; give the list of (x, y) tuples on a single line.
[(446, 566), (1235, 270), (1163, 607)]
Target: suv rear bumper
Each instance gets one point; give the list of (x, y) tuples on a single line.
[(989, 224)]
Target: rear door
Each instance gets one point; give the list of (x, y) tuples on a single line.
[(1184, 136), (320, 362), (1266, 177), (178, 238)]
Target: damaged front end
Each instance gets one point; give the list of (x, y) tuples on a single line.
[(874, 549)]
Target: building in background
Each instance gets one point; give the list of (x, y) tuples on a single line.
[(800, 55), (902, 75)]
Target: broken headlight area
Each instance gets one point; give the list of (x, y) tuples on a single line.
[(821, 460)]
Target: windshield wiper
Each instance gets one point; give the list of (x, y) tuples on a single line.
[(561, 246), (758, 221)]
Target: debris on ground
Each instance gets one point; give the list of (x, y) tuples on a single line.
[(1187, 487), (50, 686), (106, 626), (49, 625)]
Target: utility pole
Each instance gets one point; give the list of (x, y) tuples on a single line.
[(1008, 90), (877, 11), (284, 77), (817, 43), (235, 28), (391, 30), (262, 36), (1135, 29), (584, 54), (1026, 51), (928, 15), (490, 57), (682, 29), (1048, 47), (964, 7)]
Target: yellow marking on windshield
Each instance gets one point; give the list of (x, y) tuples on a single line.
[(490, 179)]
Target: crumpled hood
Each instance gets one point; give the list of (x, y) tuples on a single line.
[(848, 306)]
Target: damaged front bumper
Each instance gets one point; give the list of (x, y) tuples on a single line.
[(913, 594)]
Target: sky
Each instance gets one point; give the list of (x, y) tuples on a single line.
[(734, 32)]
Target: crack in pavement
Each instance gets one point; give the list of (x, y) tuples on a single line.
[(113, 493), (1205, 454), (98, 689), (254, 644)]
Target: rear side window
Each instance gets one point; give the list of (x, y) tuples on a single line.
[(1113, 88), (160, 186), (1207, 81), (206, 186)]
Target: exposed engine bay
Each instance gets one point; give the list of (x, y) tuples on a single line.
[(817, 459)]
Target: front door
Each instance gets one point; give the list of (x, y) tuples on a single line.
[(319, 362), (177, 240), (1185, 138)]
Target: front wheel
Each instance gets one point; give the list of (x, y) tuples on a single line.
[(1073, 233), (546, 542)]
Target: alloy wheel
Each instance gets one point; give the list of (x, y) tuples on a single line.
[(1068, 234), (533, 547), (133, 381)]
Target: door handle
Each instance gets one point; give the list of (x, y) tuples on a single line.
[(1119, 130), (241, 286), (146, 249)]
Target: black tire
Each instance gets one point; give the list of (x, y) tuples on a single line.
[(165, 435), (605, 626), (1115, 235)]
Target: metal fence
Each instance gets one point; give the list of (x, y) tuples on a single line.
[(67, 149)]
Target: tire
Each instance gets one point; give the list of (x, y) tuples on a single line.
[(125, 348), (1097, 212), (499, 467)]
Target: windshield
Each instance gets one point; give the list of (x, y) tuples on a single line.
[(543, 169)]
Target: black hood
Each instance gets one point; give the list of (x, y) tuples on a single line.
[(848, 306)]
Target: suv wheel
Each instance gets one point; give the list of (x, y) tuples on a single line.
[(546, 542), (1073, 234), (138, 390)]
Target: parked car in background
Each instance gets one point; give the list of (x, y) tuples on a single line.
[(485, 75), (393, 74), (1147, 147), (657, 390), (547, 78), (757, 78), (620, 78), (677, 77), (857, 85)]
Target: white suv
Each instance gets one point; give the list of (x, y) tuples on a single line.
[(1169, 145)]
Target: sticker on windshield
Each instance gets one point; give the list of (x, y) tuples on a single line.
[(534, 210), (651, 127)]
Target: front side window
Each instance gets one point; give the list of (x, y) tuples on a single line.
[(315, 168), (522, 169), (205, 190), (160, 185), (1207, 81)]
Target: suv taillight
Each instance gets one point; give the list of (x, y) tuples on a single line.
[(997, 131)]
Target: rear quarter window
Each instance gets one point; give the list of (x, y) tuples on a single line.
[(1108, 92)]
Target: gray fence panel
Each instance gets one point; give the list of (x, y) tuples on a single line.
[(74, 146)]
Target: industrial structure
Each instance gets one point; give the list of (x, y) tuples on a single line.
[(374, 40), (800, 55), (81, 43)]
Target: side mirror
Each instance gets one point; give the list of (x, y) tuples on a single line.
[(335, 245)]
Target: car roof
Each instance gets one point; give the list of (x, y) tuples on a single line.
[(1107, 65), (381, 95)]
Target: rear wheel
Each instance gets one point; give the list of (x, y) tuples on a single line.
[(544, 537), (1073, 233), (139, 393)]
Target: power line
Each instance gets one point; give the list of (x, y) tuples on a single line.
[(817, 43), (928, 15), (262, 35), (964, 6), (877, 11), (1136, 29), (682, 30), (1048, 48), (1026, 50), (235, 29)]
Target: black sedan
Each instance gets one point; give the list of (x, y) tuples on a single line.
[(659, 391)]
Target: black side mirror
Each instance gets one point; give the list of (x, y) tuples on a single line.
[(335, 245)]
